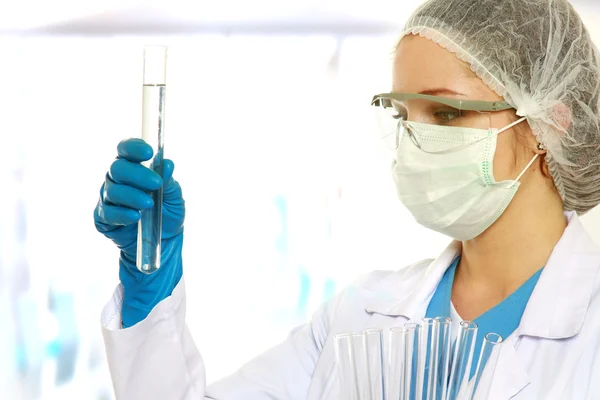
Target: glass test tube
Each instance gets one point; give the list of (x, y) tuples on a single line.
[(396, 363), (443, 369), (463, 357), (343, 354), (428, 357), (487, 362), (374, 346), (153, 122), (360, 365), (359, 359), (401, 379)]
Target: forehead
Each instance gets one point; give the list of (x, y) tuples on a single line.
[(421, 65)]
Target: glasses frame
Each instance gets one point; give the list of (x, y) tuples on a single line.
[(384, 100)]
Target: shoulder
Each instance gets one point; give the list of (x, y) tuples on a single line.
[(378, 286), (380, 279), (387, 285), (575, 377)]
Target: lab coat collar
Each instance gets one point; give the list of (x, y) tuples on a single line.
[(558, 305), (413, 303)]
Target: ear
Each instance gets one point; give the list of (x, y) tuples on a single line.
[(532, 141), (539, 148)]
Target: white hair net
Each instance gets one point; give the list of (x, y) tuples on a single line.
[(538, 55)]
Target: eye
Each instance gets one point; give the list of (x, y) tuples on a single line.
[(447, 115)]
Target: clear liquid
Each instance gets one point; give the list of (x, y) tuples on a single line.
[(150, 225)]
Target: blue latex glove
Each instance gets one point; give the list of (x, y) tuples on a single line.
[(122, 196)]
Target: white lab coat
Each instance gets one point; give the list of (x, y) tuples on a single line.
[(553, 354)]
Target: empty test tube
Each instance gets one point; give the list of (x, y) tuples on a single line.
[(360, 365), (428, 359), (374, 346), (397, 363), (401, 374), (463, 357), (444, 348), (487, 362), (153, 122), (359, 359), (346, 377)]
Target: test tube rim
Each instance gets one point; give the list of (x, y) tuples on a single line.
[(468, 325), (346, 334), (494, 342), (443, 320), (412, 325), (353, 334)]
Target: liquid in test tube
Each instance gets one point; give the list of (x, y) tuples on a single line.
[(153, 123)]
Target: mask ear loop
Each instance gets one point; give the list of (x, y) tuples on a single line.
[(540, 146), (524, 170), (507, 127)]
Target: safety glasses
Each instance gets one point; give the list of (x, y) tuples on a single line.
[(394, 120)]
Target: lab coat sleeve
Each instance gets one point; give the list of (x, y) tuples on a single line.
[(157, 358), (282, 373)]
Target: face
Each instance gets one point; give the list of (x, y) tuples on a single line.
[(421, 66)]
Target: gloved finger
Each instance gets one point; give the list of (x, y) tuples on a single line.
[(115, 215), (168, 167), (126, 196), (172, 190), (133, 174), (135, 150)]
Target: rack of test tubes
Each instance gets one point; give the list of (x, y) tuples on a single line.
[(417, 361)]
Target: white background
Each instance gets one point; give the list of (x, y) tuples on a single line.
[(263, 103)]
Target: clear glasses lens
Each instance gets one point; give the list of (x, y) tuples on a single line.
[(421, 121), (390, 124)]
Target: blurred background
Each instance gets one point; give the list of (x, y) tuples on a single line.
[(288, 188)]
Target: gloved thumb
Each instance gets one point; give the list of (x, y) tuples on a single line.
[(168, 168), (171, 189)]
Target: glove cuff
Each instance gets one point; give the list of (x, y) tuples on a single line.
[(142, 292)]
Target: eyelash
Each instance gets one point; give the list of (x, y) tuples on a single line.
[(440, 114)]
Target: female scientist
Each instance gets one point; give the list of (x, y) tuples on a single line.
[(495, 106)]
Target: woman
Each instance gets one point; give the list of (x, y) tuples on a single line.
[(496, 109)]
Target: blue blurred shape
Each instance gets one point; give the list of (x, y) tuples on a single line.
[(328, 289), (305, 286)]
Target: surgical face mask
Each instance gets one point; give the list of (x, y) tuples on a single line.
[(444, 176)]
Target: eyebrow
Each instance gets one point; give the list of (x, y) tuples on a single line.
[(441, 91)]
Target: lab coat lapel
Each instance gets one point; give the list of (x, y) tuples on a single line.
[(385, 314), (416, 296), (556, 310), (509, 378), (559, 303)]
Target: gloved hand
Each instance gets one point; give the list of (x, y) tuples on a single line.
[(122, 196)]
